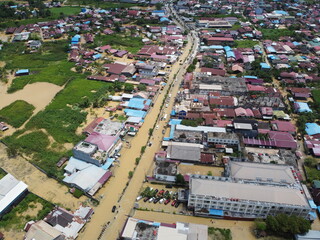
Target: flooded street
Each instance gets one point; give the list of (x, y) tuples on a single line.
[(37, 181), (114, 189)]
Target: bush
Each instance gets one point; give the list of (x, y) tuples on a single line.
[(130, 174), (77, 193), (143, 149)]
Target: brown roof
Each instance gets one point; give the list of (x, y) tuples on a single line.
[(89, 129)]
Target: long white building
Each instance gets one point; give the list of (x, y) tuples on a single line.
[(229, 198)]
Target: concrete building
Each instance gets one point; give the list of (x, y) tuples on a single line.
[(190, 152), (223, 197), (165, 171), (142, 229), (12, 191), (271, 174), (223, 138), (90, 153)]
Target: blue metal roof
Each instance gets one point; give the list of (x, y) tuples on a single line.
[(265, 65), (303, 107), (22, 71), (312, 128), (253, 77), (175, 121), (135, 113), (108, 163), (216, 212), (138, 103)]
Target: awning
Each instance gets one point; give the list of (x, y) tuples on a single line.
[(312, 204), (216, 212)]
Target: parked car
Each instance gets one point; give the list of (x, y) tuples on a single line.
[(167, 201), (138, 198), (173, 202), (114, 208), (162, 200), (156, 191), (161, 192), (177, 204), (156, 200), (151, 199), (166, 193), (146, 199)]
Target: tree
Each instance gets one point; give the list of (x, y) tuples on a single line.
[(180, 179), (12, 152), (130, 174), (287, 226), (159, 6), (310, 162), (128, 87), (142, 87), (137, 160), (150, 131), (209, 173)]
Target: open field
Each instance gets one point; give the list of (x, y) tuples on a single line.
[(66, 11), (246, 43), (101, 4), (55, 14), (16, 113), (275, 34), (197, 169), (49, 64), (131, 44)]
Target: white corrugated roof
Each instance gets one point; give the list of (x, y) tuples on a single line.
[(10, 189)]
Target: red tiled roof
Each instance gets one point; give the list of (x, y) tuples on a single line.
[(89, 129)]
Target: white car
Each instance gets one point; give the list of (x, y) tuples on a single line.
[(139, 198), (151, 199), (162, 200)]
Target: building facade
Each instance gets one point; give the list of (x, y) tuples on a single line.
[(228, 199)]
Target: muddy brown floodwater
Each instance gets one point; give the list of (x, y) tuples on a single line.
[(104, 219), (38, 94)]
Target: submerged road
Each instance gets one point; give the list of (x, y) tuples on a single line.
[(120, 191)]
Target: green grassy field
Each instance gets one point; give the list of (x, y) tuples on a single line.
[(16, 113), (23, 212), (101, 4), (275, 34), (131, 44), (55, 14), (49, 64), (245, 43), (66, 11)]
